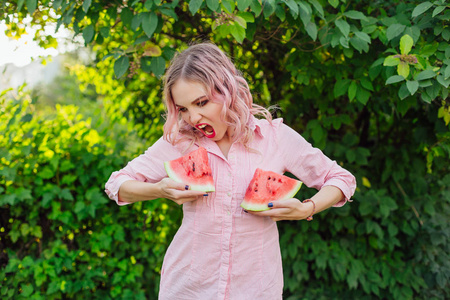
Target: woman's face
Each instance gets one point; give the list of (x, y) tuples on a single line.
[(198, 111)]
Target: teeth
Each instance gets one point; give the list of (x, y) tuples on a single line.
[(201, 126)]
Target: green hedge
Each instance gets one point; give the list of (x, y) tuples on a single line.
[(60, 235)]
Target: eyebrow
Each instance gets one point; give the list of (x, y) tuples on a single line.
[(195, 100)]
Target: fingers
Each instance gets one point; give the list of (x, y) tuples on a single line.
[(280, 210), (169, 183), (179, 193)]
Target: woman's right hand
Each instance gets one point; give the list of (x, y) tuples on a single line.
[(177, 192)]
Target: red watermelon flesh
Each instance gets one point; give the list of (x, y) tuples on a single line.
[(192, 169), (268, 186)]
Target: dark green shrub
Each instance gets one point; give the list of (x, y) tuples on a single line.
[(60, 235)]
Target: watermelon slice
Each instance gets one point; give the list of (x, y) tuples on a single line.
[(192, 169), (268, 186)]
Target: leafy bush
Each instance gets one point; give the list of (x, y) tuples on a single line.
[(59, 236), (365, 81)]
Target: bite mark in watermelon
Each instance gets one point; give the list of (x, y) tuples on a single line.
[(192, 169), (268, 186)]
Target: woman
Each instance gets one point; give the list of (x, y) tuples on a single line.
[(220, 251)]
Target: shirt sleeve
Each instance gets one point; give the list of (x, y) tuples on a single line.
[(147, 167), (311, 166)]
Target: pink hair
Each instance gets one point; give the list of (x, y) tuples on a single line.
[(206, 64)]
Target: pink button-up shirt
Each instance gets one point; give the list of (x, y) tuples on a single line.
[(220, 252)]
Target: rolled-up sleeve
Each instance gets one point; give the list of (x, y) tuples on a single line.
[(147, 167), (311, 166)]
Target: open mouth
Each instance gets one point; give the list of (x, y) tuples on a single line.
[(206, 129)]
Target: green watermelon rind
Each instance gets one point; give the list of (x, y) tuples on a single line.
[(262, 207), (194, 187)]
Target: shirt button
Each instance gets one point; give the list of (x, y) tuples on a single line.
[(228, 212), (228, 194)]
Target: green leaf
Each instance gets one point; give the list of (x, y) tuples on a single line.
[(413, 31), (293, 6), (238, 32), (169, 12), (46, 173), (137, 20), (240, 21), (86, 5), (317, 6), (66, 195), (421, 8), (444, 82), (148, 5), (121, 66), (394, 30), (438, 10), (256, 7), (363, 36), (20, 4), (412, 86), (27, 290), (343, 26), (158, 66), (367, 84), (403, 69), (149, 23), (126, 16), (88, 33), (359, 44), (394, 79), (447, 72), (31, 5), (334, 3), (341, 87), (357, 15), (311, 29), (362, 95), (406, 43), (194, 6), (344, 42), (243, 4), (352, 90), (104, 31), (247, 16), (403, 91), (268, 8), (280, 13), (214, 4), (427, 74)]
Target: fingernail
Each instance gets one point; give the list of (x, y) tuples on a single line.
[(270, 204), (206, 195), (186, 187)]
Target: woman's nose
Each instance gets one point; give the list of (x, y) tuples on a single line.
[(194, 117)]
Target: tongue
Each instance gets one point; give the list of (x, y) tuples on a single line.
[(208, 130)]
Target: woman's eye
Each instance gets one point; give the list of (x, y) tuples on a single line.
[(182, 109), (202, 103)]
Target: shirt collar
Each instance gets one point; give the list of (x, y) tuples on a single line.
[(254, 125)]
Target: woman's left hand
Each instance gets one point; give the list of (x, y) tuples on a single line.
[(289, 209)]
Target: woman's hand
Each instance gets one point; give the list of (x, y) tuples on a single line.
[(178, 192), (289, 209)]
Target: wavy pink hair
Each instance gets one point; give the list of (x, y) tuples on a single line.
[(206, 64)]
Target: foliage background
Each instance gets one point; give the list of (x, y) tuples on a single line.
[(365, 81)]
